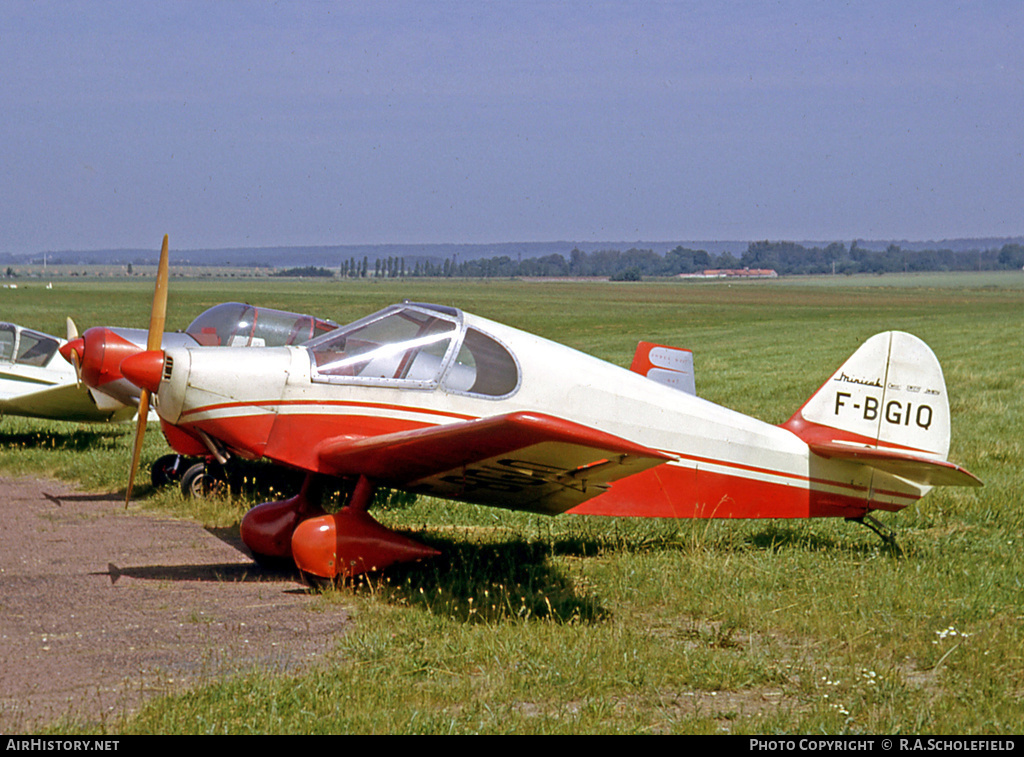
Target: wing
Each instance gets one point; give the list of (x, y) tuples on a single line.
[(64, 402), (914, 468), (520, 461)]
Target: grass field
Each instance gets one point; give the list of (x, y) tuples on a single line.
[(583, 625)]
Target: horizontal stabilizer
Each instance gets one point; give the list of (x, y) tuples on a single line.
[(918, 470), (524, 460)]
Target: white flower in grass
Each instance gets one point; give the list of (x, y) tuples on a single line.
[(949, 632)]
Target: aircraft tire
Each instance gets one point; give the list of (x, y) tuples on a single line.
[(200, 481), (167, 470)]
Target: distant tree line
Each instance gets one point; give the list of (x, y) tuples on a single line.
[(308, 271), (786, 258), (625, 266)]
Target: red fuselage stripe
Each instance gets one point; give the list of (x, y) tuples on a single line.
[(328, 403), (752, 469), (794, 476)]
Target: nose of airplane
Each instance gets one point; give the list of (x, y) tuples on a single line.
[(144, 369), (100, 355), (73, 350)]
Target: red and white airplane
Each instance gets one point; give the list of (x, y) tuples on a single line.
[(36, 383), (434, 400), (97, 354)]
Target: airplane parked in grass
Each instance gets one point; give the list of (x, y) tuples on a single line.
[(97, 356), (431, 399), (36, 382)]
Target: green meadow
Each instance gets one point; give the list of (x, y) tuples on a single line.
[(530, 624)]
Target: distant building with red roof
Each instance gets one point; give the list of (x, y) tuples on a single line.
[(732, 273)]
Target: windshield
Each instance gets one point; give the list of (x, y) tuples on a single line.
[(400, 342), (8, 338), (233, 324), (32, 347)]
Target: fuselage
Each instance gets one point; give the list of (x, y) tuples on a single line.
[(29, 361), (35, 381), (282, 403)]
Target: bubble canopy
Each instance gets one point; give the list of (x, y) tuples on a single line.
[(234, 324), (416, 345)]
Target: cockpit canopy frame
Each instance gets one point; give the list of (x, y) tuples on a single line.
[(416, 346), (235, 324), (23, 346)]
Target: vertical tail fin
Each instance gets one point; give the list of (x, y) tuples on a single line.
[(670, 366), (890, 393), (886, 408)]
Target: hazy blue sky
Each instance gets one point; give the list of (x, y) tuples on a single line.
[(233, 124)]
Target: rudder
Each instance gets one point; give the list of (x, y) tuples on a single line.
[(890, 393)]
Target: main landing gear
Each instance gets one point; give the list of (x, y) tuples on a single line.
[(327, 545), (197, 479)]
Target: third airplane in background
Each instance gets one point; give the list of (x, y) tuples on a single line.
[(36, 383)]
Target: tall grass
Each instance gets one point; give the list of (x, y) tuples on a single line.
[(573, 625)]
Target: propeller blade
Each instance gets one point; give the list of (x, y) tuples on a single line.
[(78, 369), (140, 433), (159, 312), (154, 340), (70, 353)]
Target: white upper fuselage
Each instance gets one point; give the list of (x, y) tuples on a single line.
[(554, 378), (277, 403)]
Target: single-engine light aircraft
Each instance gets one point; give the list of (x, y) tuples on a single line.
[(35, 382), (98, 353), (434, 400)]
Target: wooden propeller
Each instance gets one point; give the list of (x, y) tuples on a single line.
[(157, 317)]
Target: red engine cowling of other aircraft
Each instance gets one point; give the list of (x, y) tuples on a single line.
[(100, 353)]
